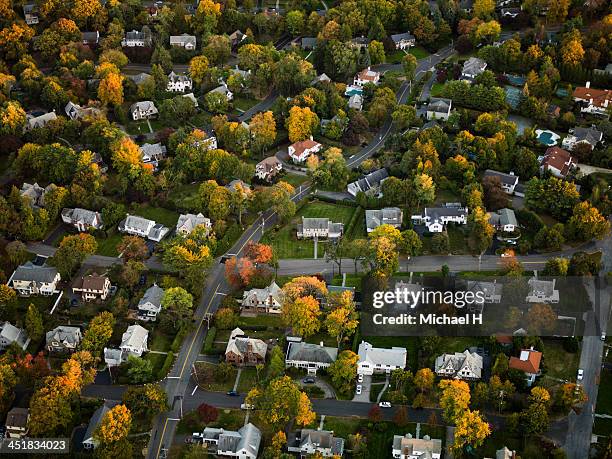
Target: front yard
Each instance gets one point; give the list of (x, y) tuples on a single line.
[(558, 362)]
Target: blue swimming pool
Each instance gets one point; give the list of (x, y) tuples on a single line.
[(547, 138), (352, 90)]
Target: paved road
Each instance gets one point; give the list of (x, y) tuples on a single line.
[(260, 107)]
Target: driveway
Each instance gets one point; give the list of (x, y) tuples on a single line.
[(321, 384), (364, 397)]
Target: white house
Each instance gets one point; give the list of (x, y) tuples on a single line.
[(403, 40), (369, 183), (30, 13), (243, 444), (366, 76), (503, 220), (508, 181), (150, 305), (134, 341), (307, 442), (10, 334), (136, 39), (187, 223), (439, 108), (490, 291), (409, 447), (582, 136), (542, 291), (266, 300), (30, 279), (223, 90), (388, 216), (319, 227), (143, 110), (301, 150), (92, 287), (34, 122), (82, 219), (593, 101), (268, 168), (63, 339), (464, 365), (310, 357), (138, 226), (558, 162), (152, 153), (473, 67), (178, 83), (380, 360), (356, 102), (436, 218), (183, 41), (76, 112)]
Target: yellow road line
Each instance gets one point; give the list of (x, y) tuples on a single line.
[(197, 331), (161, 440)]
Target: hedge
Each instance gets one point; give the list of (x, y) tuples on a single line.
[(210, 340), (229, 238), (163, 371), (353, 221)]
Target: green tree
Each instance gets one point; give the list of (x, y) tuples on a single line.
[(139, 370), (178, 303), (98, 333), (343, 371), (377, 52), (34, 323), (481, 231)]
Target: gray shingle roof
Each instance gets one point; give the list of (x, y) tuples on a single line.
[(30, 272), (153, 295), (307, 352)]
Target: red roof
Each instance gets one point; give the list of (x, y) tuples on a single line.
[(503, 339), (530, 365), (303, 145), (599, 96), (558, 158)]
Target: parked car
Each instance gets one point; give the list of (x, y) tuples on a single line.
[(233, 393), (308, 380), (360, 377), (603, 336), (580, 374), (385, 404), (358, 392), (247, 406)]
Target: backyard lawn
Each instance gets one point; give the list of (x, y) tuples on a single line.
[(108, 246), (294, 179), (159, 214), (436, 89), (242, 104), (185, 196), (285, 242), (558, 362)]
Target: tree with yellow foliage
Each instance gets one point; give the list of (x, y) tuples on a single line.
[(344, 370), (470, 430), (206, 17), (112, 434), (342, 320), (302, 315), (126, 156), (14, 40), (263, 131), (6, 10), (198, 69), (110, 90), (572, 51), (83, 10), (304, 286), (484, 8), (301, 123), (12, 118), (455, 398)]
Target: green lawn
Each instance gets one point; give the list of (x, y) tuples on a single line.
[(159, 341), (159, 214), (248, 379), (352, 280), (602, 427), (284, 240), (396, 56), (157, 360), (214, 385), (558, 362), (419, 52), (243, 103), (604, 397), (294, 179), (436, 89), (185, 196), (108, 246)]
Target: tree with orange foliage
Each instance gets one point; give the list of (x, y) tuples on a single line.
[(258, 253), (304, 286), (110, 90), (238, 271), (31, 369), (112, 433)]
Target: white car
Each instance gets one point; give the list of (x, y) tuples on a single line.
[(385, 404), (360, 378), (580, 375), (358, 391), (246, 406)]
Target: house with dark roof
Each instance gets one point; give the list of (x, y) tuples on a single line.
[(508, 181), (150, 305), (403, 40), (152, 153), (243, 443), (308, 43), (491, 292), (82, 219), (386, 216), (591, 100), (236, 38), (39, 121), (89, 442), (582, 136), (319, 227), (63, 338), (90, 38), (178, 82), (268, 168), (30, 279), (542, 291), (439, 108), (528, 362), (242, 350), (473, 67), (138, 39), (143, 110), (503, 220), (17, 422), (369, 183), (309, 441), (92, 287), (310, 357), (139, 78), (558, 162), (10, 334), (267, 300), (464, 365)]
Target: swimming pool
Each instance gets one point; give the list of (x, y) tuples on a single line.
[(548, 138), (352, 90)]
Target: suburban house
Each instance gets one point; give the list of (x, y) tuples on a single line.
[(34, 122), (134, 341), (90, 38), (491, 291), (386, 216), (380, 360), (150, 305), (308, 43), (92, 287), (403, 40), (135, 39), (237, 37), (192, 98), (319, 227), (505, 453), (503, 220), (528, 362), (542, 291), (366, 76), (266, 300), (473, 67), (510, 12), (178, 83), (76, 112), (188, 222), (223, 90), (359, 42), (268, 168), (88, 439), (30, 13), (301, 150), (143, 110), (243, 443), (113, 357), (466, 5), (63, 338), (17, 422), (310, 357), (82, 219), (439, 108), (138, 226), (10, 334), (464, 365), (183, 41), (242, 350), (558, 162), (508, 181), (582, 136), (152, 153), (30, 279), (368, 184), (307, 442), (356, 102), (436, 218), (594, 101), (409, 447), (139, 78), (35, 193), (323, 78)]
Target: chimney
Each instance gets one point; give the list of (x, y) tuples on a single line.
[(321, 343), (588, 84)]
